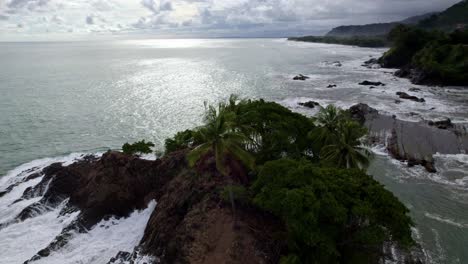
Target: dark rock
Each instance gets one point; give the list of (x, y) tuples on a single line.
[(404, 72), (429, 166), (372, 63), (406, 96), (397, 101), (372, 87), (331, 86), (442, 124), (301, 77), (359, 112), (310, 104), (371, 83)]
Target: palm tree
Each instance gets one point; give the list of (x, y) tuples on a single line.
[(347, 152), (328, 120), (337, 139), (221, 138)]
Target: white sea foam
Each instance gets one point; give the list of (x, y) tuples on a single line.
[(21, 241), (446, 220), (104, 241)]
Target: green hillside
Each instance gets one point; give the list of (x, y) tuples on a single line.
[(448, 20)]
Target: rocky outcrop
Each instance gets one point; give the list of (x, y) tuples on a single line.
[(371, 63), (442, 124), (406, 96), (301, 77), (310, 104), (361, 111), (414, 142), (191, 224), (372, 83)]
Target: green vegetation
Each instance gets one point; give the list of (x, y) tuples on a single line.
[(360, 41), (337, 139), (331, 215), (140, 147), (221, 138), (448, 20), (437, 57), (308, 174)]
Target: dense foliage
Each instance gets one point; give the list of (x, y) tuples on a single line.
[(181, 140), (360, 41), (140, 147), (439, 57), (406, 42), (449, 19), (332, 215), (308, 173)]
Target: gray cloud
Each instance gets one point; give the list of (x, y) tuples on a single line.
[(208, 17)]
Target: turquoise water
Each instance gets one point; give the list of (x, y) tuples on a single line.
[(66, 97)]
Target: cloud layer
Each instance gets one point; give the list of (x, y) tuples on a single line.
[(199, 18)]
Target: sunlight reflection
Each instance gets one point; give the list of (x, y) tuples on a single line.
[(178, 43)]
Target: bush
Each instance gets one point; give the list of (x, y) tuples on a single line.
[(446, 63), (181, 140), (274, 130), (331, 215), (140, 147)]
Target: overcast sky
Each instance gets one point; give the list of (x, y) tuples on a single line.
[(44, 19)]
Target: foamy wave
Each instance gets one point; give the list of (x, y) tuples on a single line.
[(21, 241), (445, 220), (461, 158), (104, 241)]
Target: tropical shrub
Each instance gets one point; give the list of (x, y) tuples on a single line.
[(331, 215), (181, 140), (140, 147), (274, 131)]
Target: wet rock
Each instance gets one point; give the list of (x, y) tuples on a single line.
[(372, 83), (414, 89), (406, 96), (310, 104), (121, 257), (331, 86), (361, 111), (415, 142), (301, 77), (337, 64), (442, 124), (371, 64), (397, 101), (372, 87)]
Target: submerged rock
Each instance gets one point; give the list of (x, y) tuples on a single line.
[(337, 63), (331, 86), (414, 89), (372, 83), (301, 77)]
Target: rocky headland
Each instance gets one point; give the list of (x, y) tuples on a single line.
[(414, 142)]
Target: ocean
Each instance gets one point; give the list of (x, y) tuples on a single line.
[(59, 99)]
